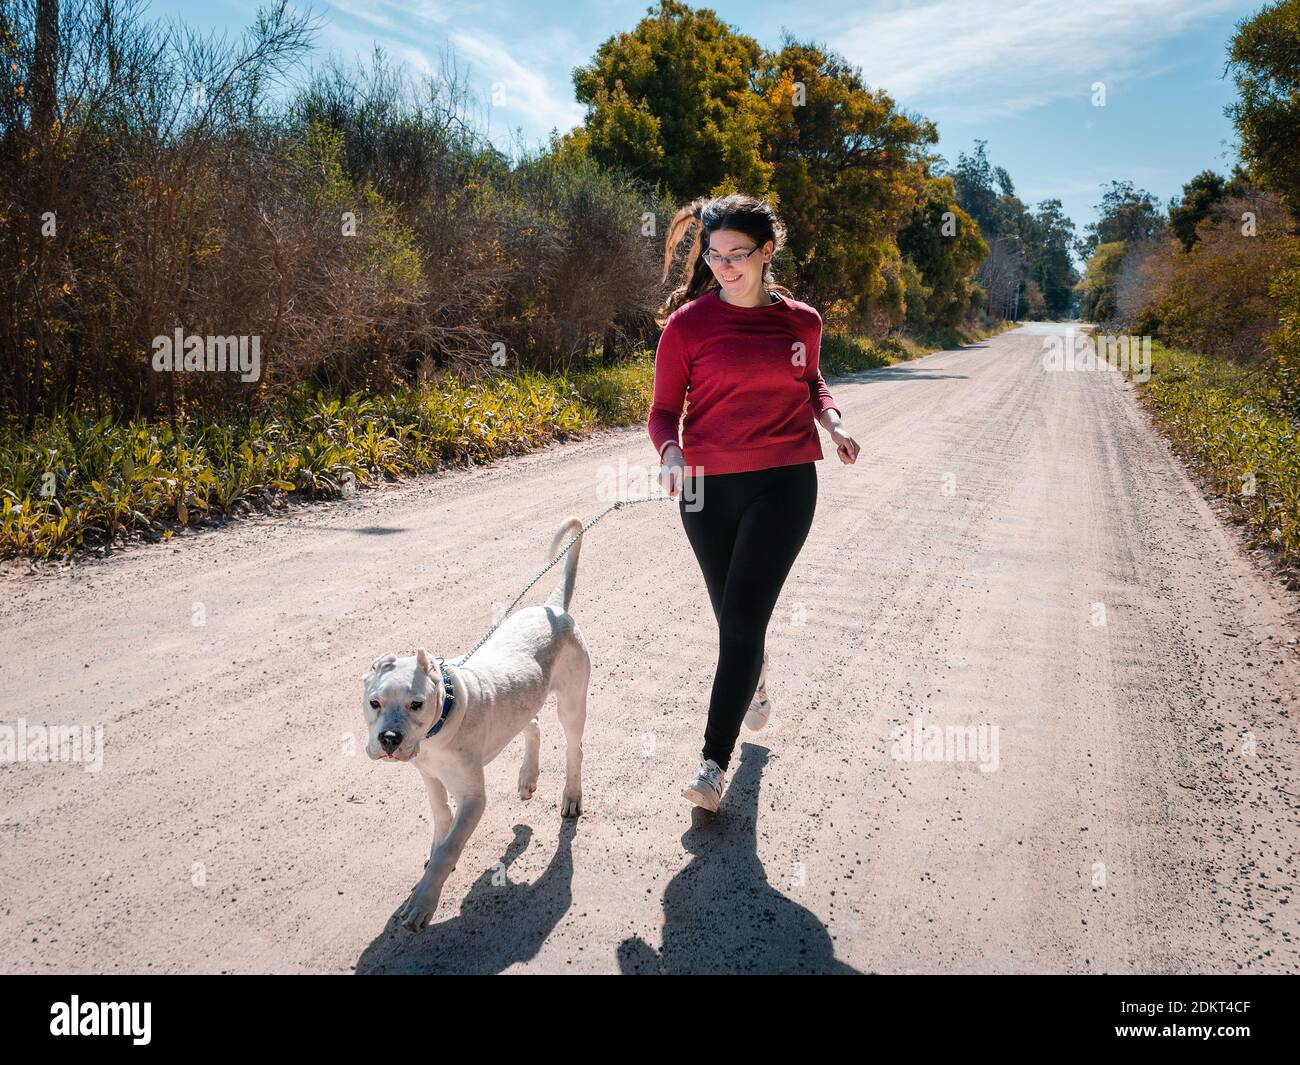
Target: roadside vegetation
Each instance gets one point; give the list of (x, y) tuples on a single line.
[(1234, 429)]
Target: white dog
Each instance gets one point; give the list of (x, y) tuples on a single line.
[(450, 729)]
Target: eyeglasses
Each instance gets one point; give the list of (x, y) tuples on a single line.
[(715, 260)]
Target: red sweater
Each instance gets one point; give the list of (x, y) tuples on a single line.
[(755, 390)]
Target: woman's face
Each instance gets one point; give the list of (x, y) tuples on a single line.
[(741, 278)]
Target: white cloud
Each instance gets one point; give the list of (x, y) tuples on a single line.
[(533, 69), (975, 60), (529, 94)]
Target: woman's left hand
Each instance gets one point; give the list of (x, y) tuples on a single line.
[(846, 446)]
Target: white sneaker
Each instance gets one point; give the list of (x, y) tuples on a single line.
[(760, 706), (706, 789)]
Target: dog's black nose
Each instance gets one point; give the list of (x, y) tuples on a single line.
[(390, 741)]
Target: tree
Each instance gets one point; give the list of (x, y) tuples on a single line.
[(1003, 274), (1050, 236), (944, 244), (1024, 246), (848, 174), (1264, 55), (663, 99), (1097, 287), (1217, 299), (1199, 195), (45, 63), (1126, 214), (974, 181)]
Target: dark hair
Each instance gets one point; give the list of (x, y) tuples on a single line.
[(750, 215)]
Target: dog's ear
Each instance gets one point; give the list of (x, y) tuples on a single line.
[(382, 660), (422, 660)]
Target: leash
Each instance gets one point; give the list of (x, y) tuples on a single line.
[(576, 536), (448, 694)]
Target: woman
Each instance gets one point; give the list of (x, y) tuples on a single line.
[(747, 351)]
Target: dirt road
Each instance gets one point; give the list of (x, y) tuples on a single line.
[(1016, 553)]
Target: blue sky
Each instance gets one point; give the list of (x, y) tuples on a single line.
[(1016, 74)]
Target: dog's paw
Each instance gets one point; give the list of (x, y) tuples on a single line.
[(418, 910), (528, 773), (571, 805), (527, 783)]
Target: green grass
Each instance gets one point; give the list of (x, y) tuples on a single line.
[(1229, 422), (76, 482)]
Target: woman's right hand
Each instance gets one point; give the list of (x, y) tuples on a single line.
[(673, 471)]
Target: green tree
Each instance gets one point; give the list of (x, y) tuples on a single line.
[(980, 187), (944, 244), (1264, 55), (1198, 198), (1049, 237), (1126, 214), (849, 173), (663, 100), (1100, 276), (1024, 247)]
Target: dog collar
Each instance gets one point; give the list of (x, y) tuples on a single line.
[(448, 697)]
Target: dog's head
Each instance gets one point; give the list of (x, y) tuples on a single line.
[(401, 699)]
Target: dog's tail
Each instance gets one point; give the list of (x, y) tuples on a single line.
[(563, 593)]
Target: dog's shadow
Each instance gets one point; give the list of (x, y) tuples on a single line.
[(498, 924), (721, 915)]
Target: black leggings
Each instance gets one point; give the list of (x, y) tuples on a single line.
[(746, 533)]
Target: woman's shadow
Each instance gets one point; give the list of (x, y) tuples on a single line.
[(721, 915)]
